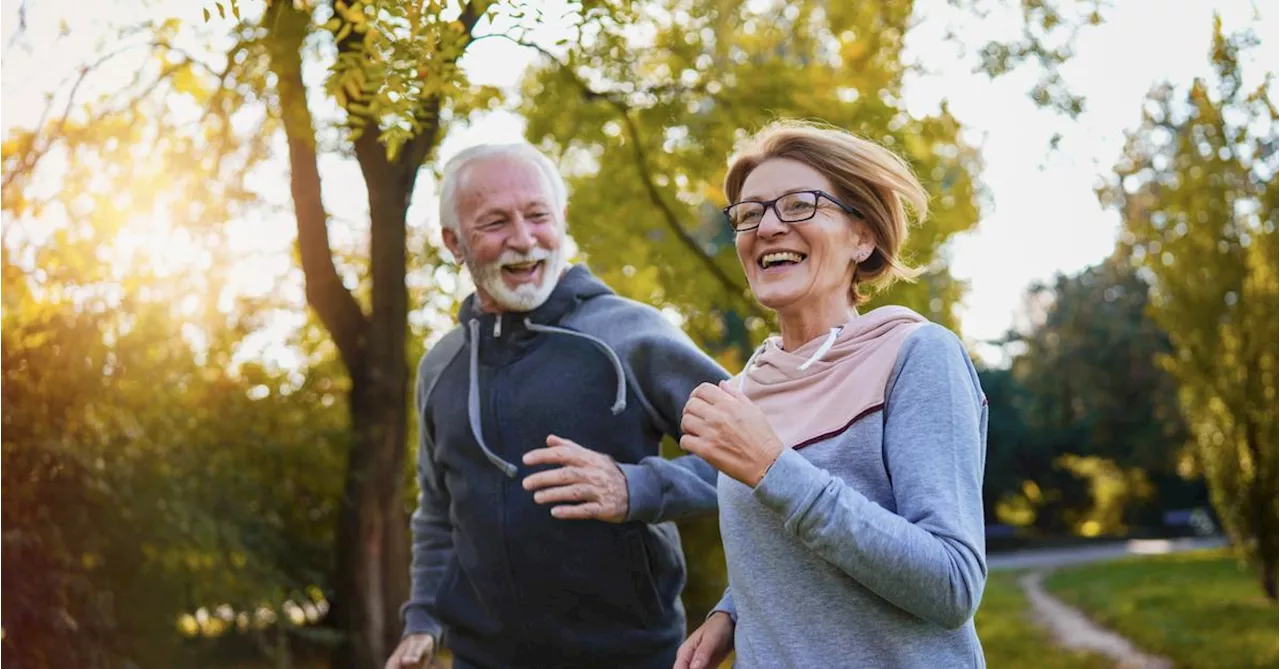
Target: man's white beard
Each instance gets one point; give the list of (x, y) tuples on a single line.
[(527, 296)]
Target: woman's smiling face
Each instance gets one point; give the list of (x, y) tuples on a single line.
[(789, 265)]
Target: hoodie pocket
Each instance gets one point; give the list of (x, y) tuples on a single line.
[(591, 580), (646, 580), (461, 605)]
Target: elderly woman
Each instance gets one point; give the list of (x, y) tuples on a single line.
[(851, 447)]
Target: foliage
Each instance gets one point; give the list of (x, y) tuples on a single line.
[(1086, 433), (129, 498), (1197, 188), (1199, 609), (156, 462), (645, 129), (1047, 36)]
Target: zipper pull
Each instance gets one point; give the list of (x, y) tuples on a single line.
[(497, 326)]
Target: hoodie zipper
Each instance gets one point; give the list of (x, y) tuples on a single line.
[(493, 408)]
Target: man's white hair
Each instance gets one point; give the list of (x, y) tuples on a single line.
[(454, 169)]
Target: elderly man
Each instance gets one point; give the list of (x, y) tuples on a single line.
[(543, 533)]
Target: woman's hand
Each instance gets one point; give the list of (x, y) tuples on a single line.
[(726, 429), (709, 645)]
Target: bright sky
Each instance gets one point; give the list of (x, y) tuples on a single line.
[(1041, 216)]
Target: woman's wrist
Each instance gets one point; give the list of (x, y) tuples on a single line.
[(768, 464), (725, 614)]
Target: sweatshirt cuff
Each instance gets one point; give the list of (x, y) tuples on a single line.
[(417, 620), (725, 606), (791, 485), (644, 492)]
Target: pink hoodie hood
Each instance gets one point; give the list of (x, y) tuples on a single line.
[(818, 390)]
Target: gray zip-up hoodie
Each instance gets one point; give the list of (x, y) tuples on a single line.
[(506, 583)]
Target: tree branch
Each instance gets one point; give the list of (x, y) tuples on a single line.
[(415, 152), (22, 24), (31, 155), (368, 149), (334, 304), (669, 215)]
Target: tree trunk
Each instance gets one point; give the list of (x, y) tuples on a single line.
[(372, 566), (372, 540), (371, 579)]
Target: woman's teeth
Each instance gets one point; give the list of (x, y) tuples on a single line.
[(781, 257)]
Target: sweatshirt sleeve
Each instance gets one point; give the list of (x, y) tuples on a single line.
[(666, 366), (928, 558), (432, 535), (725, 605)]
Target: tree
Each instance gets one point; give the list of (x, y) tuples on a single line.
[(1197, 189), (1097, 395), (199, 173), (371, 573), (190, 136), (129, 498), (647, 159), (1086, 432)]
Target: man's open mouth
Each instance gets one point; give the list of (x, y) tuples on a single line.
[(522, 271)]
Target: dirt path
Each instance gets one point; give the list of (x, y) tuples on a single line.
[(1037, 558), (1072, 629)]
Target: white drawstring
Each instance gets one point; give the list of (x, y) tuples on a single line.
[(822, 350), (817, 355)]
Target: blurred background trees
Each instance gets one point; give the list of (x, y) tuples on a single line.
[(204, 454)]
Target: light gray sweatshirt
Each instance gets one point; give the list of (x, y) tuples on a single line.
[(866, 549)]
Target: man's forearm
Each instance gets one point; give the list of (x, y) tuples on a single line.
[(432, 551)]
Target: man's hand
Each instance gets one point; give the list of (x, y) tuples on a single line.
[(587, 485), (709, 645), (414, 652)]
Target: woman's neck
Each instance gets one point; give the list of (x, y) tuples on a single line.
[(806, 322)]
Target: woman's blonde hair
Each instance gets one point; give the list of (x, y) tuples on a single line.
[(865, 175)]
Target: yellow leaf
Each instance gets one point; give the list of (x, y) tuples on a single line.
[(351, 87), (206, 14)]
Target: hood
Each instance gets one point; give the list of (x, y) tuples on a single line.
[(575, 286), (822, 387)]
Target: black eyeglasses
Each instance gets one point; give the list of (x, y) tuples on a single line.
[(790, 208)]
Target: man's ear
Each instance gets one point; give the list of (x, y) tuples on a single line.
[(453, 243)]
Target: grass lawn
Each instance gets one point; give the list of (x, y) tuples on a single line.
[(1200, 609), (1011, 638)]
